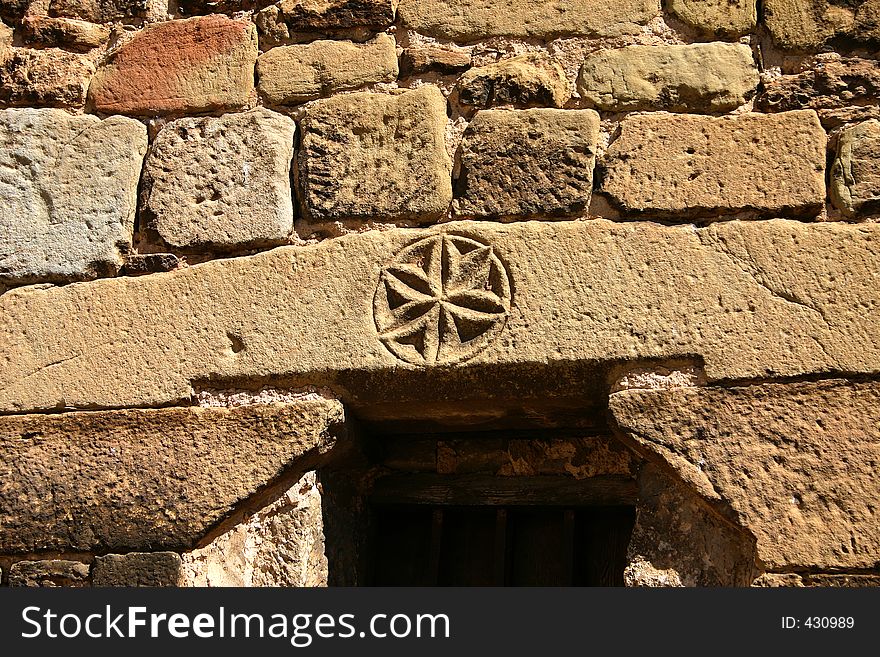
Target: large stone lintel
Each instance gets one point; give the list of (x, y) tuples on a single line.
[(148, 479), (566, 301)]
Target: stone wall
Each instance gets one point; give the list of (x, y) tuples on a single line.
[(245, 246)]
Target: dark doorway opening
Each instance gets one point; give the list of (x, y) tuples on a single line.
[(428, 545)]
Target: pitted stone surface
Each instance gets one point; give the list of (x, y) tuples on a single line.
[(375, 156), (191, 65), (105, 11), (68, 32), (723, 17), (287, 17), (527, 163), (49, 573), (855, 174), (808, 24), (147, 479), (752, 298), (44, 77), (295, 74), (795, 463), (68, 192), (710, 77), (470, 20), (681, 164), (221, 182), (531, 80), (138, 569)]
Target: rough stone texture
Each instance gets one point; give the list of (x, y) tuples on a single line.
[(793, 464), (721, 17), (530, 80), (681, 164), (282, 544), (68, 190), (855, 174), (49, 573), (137, 569), (703, 77), (105, 11), (220, 182), (472, 20), (527, 163), (6, 36), (445, 59), (796, 580), (375, 156), (68, 32), (44, 77), (149, 263), (286, 17), (808, 24), (191, 65), (147, 479), (751, 298), (295, 74), (840, 89), (13, 9), (678, 541)]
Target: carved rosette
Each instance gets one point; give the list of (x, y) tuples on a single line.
[(442, 300)]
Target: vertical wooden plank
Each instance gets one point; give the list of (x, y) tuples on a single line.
[(500, 552), (567, 556), (436, 546)]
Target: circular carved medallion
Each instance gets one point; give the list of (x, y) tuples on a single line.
[(442, 300)]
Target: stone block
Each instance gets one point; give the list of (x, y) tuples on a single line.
[(148, 479), (445, 59), (67, 32), (151, 569), (809, 24), (44, 77), (220, 182), (68, 193), (790, 463), (375, 156), (49, 573), (472, 20), (531, 80), (193, 65), (683, 165), (703, 77), (855, 174), (106, 11), (527, 163), (721, 17), (294, 74)]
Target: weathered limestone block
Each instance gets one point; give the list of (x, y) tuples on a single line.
[(295, 74), (13, 9), (105, 11), (49, 573), (137, 569), (221, 182), (808, 24), (139, 264), (6, 36), (752, 298), (282, 544), (68, 32), (531, 80), (527, 163), (686, 165), (42, 77), (190, 65), (855, 174), (703, 77), (445, 59), (794, 463), (471, 20), (375, 156), (836, 87), (68, 192), (722, 17), (147, 479)]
